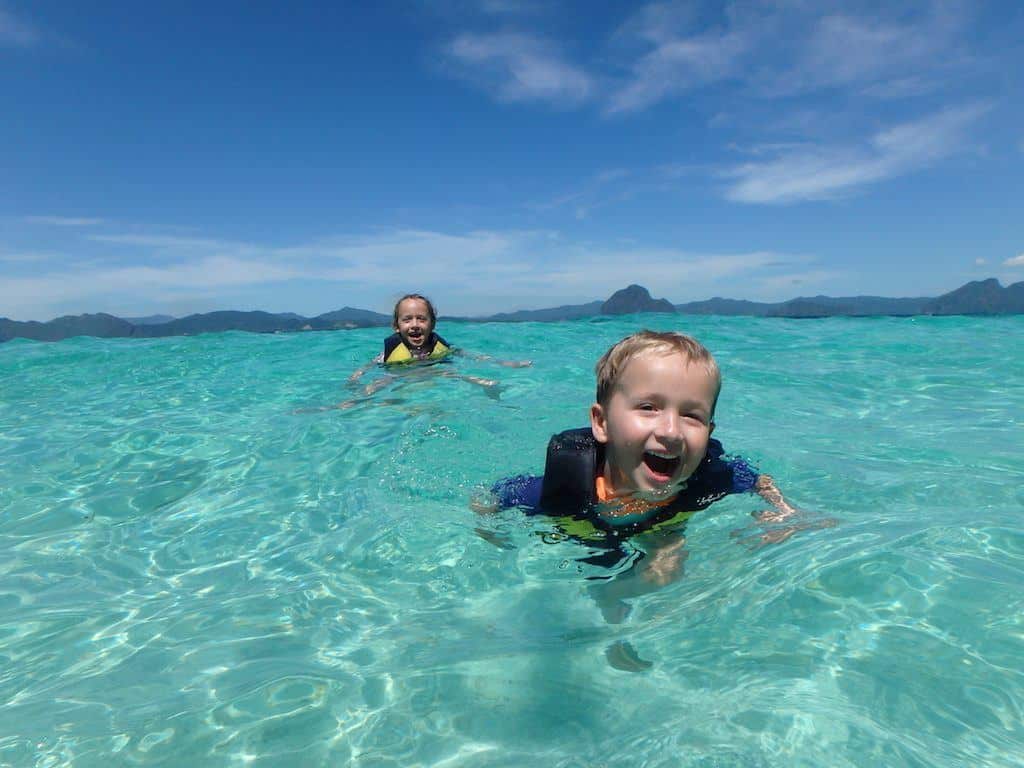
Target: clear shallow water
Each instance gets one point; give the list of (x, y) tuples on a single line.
[(195, 568)]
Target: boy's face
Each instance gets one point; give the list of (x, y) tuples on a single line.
[(656, 424), (414, 324)]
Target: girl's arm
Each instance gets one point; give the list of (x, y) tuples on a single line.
[(488, 358), (358, 372)]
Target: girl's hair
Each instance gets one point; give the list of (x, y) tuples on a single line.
[(424, 299), (613, 362)]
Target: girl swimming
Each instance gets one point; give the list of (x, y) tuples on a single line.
[(414, 341)]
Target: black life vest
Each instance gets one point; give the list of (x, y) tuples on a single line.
[(574, 459)]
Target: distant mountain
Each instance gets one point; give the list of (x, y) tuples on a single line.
[(720, 306), (983, 297), (149, 319), (349, 317), (565, 312), (215, 322), (634, 299), (101, 325), (980, 297), (853, 306)]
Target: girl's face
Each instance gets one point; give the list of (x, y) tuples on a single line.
[(413, 324)]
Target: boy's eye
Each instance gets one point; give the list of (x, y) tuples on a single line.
[(647, 407)]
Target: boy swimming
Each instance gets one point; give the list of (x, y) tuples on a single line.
[(647, 461), (414, 341)]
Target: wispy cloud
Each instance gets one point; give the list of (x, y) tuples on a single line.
[(595, 192), (785, 286), (15, 32), (824, 50), (817, 173), (40, 296), (666, 49), (676, 59), (517, 67), (672, 272), (25, 258), (170, 242), (476, 272), (64, 221), (1016, 261), (845, 49)]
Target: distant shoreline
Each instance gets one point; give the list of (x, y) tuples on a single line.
[(982, 297)]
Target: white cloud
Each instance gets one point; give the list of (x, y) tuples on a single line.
[(668, 49), (85, 284), (783, 287), (521, 68), (893, 90), (171, 242), (477, 272), (14, 31), (1016, 261), (594, 192), (817, 173), (25, 258), (980, 262), (842, 49), (64, 221), (678, 65)]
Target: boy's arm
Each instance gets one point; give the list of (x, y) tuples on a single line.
[(516, 491), (783, 511), (767, 490), (666, 553)]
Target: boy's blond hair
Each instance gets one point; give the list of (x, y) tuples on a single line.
[(613, 362)]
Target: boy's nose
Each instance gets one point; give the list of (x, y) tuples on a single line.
[(670, 427)]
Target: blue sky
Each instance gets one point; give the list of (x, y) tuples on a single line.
[(503, 154)]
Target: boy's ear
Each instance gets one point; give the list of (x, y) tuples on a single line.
[(598, 423), (711, 428)]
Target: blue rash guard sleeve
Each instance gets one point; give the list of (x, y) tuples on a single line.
[(744, 476), (518, 491), (718, 476)]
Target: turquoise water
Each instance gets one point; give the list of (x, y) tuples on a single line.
[(198, 567)]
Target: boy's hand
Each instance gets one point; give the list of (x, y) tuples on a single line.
[(771, 516), (753, 541), (666, 564), (770, 492)]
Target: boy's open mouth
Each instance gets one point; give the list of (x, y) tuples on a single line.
[(661, 467)]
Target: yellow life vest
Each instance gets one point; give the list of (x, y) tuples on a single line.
[(396, 352)]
